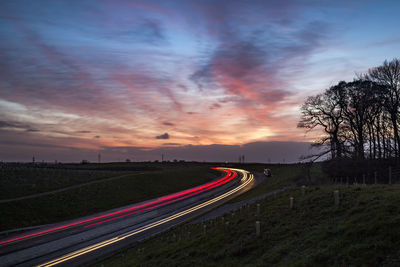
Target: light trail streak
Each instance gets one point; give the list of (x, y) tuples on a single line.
[(167, 202), (159, 200), (149, 226)]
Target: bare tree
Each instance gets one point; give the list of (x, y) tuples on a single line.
[(324, 110), (388, 75), (360, 116), (358, 100)]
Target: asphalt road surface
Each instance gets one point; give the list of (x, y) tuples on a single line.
[(87, 239)]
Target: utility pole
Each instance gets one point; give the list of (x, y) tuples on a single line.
[(33, 159)]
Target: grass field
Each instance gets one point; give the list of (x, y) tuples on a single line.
[(362, 231), (23, 180), (108, 194)]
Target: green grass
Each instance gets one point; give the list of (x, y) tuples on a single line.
[(101, 196), (282, 175), (25, 180), (18, 180), (363, 231)]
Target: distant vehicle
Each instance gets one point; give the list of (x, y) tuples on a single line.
[(267, 172)]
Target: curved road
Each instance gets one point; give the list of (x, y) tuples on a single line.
[(86, 239)]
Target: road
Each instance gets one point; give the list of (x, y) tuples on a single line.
[(86, 239)]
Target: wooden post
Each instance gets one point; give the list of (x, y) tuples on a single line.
[(258, 228), (376, 177), (227, 226), (303, 190), (291, 202), (390, 174), (258, 209), (336, 196)]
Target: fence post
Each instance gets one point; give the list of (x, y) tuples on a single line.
[(291, 202), (336, 196), (257, 228), (227, 226)]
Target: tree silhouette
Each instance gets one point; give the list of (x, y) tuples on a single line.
[(359, 119)]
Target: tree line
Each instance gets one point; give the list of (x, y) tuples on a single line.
[(359, 119)]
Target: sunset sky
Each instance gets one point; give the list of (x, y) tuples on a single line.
[(196, 80)]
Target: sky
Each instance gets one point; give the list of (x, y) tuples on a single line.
[(194, 80)]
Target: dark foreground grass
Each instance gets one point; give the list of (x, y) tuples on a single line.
[(19, 179), (102, 196), (363, 231), (27, 180)]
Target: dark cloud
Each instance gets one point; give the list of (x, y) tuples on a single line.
[(32, 130), (171, 144), (215, 106), (163, 136), (148, 31), (249, 60), (17, 125), (83, 131), (6, 124), (167, 123), (97, 136)]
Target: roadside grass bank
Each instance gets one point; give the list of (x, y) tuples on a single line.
[(22, 179), (283, 175), (361, 231), (25, 180), (105, 195)]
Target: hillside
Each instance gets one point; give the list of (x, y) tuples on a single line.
[(362, 230)]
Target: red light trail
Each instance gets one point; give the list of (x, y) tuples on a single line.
[(145, 206)]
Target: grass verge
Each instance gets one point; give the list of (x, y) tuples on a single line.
[(362, 231), (282, 175), (25, 180)]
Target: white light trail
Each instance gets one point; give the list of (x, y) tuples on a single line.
[(151, 225)]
